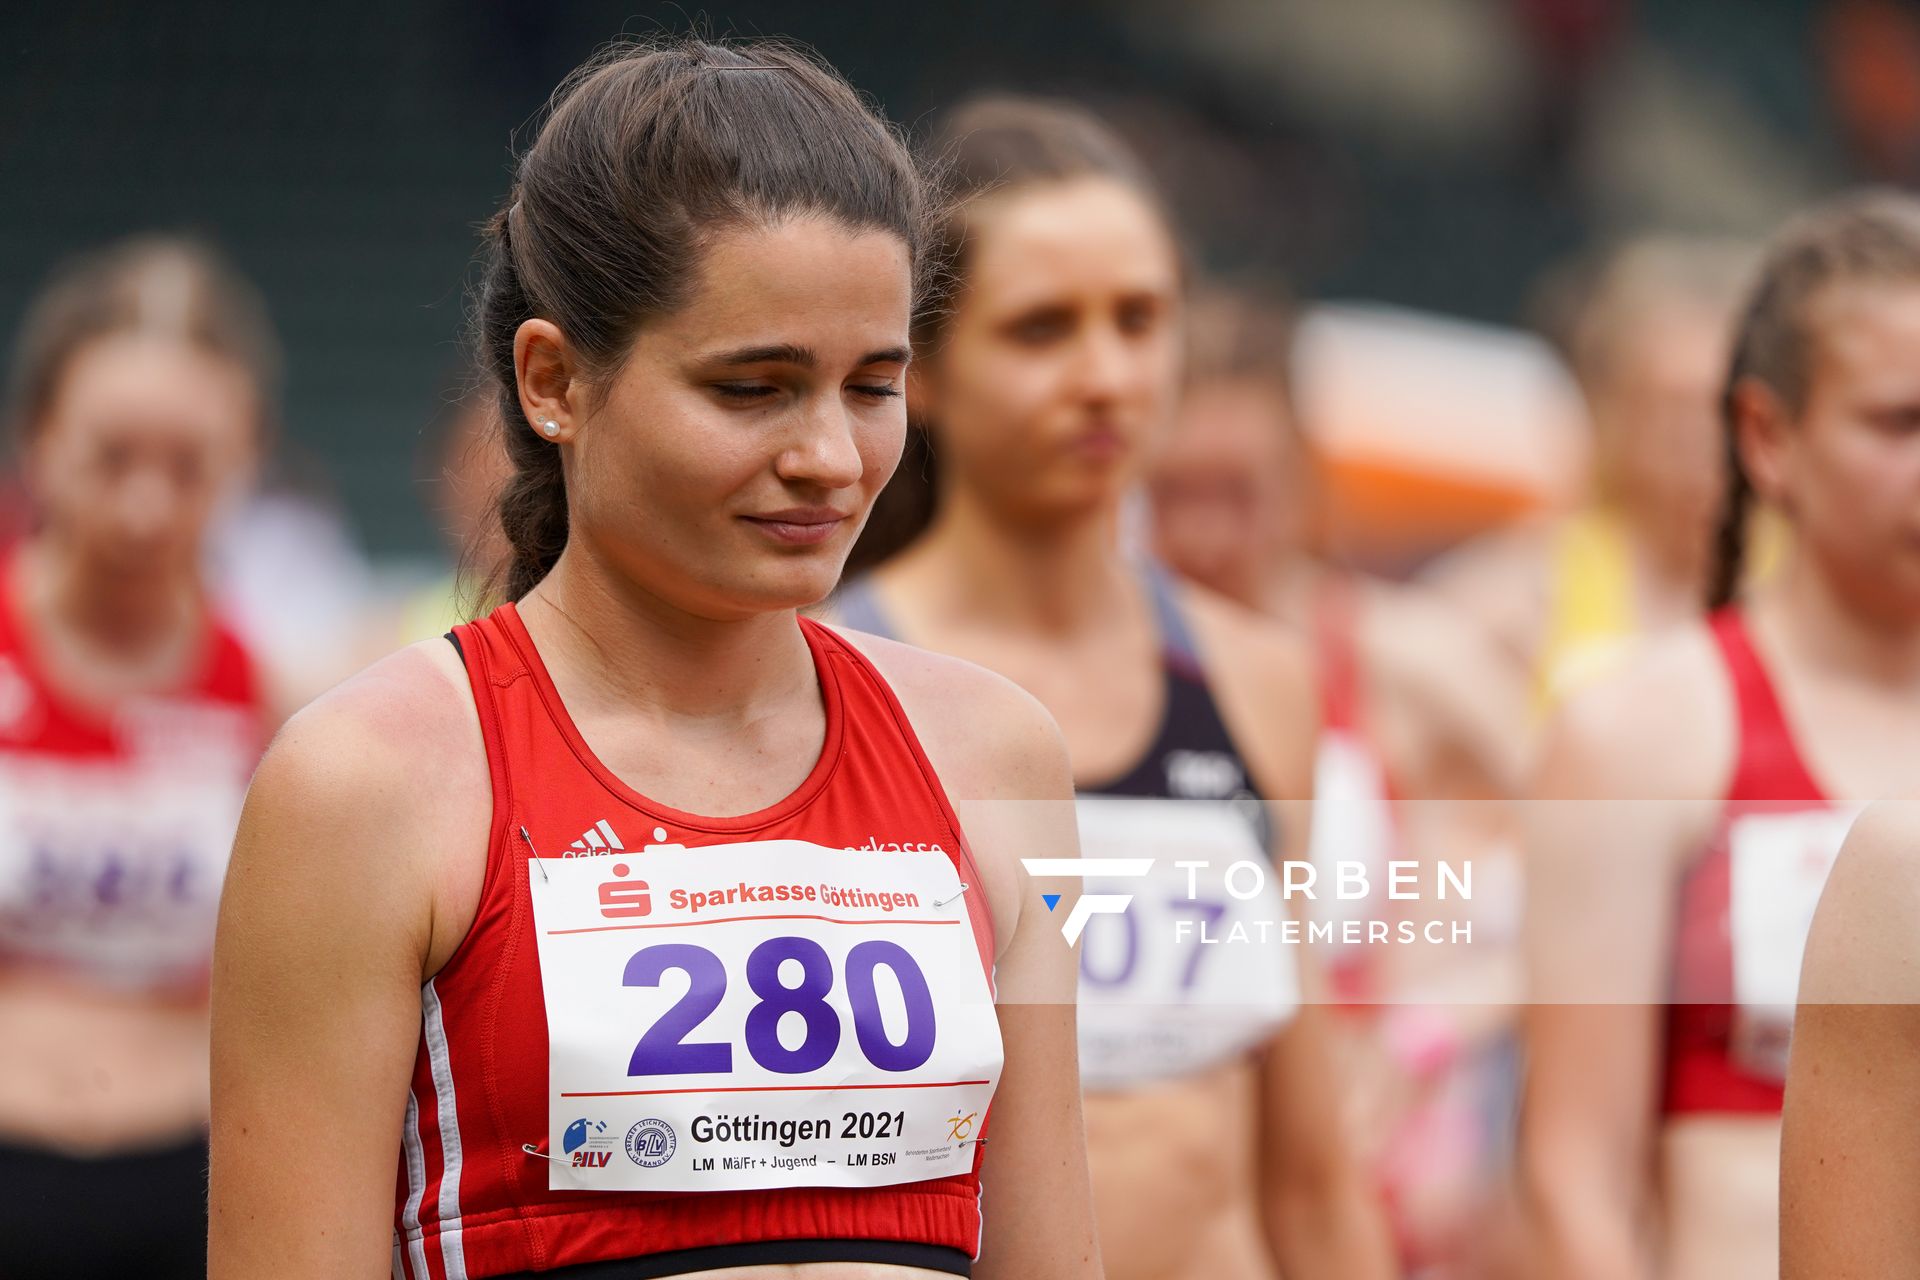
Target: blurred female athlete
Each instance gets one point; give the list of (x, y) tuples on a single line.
[(130, 717), (1691, 804), (1211, 1115), (465, 938), (1417, 756), (1648, 345)]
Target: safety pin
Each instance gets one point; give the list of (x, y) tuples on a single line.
[(541, 869), (538, 1154), (956, 897)]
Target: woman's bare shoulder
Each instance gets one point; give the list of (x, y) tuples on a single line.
[(1660, 724), (409, 712), (391, 756), (987, 737), (1861, 950)]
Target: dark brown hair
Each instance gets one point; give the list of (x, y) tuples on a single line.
[(645, 150), (1863, 237), (989, 146), (167, 285)]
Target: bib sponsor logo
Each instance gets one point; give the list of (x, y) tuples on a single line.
[(622, 899), (875, 844), (650, 1143)]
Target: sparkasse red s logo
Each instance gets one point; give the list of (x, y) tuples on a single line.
[(620, 900)]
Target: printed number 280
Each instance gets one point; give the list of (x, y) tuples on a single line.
[(664, 1050)]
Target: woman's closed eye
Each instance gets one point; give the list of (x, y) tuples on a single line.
[(745, 392), (759, 392)]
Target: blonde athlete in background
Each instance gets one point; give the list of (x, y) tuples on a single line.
[(1689, 805), (1648, 344), (1212, 1117)]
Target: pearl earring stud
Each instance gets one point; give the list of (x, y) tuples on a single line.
[(551, 427)]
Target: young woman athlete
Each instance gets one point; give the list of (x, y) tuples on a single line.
[(1211, 1116), (1691, 804), (130, 717), (633, 933)]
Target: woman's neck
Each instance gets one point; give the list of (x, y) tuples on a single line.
[(1289, 588), (626, 647), (135, 619), (974, 567), (1822, 627)]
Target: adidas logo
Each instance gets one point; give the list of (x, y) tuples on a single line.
[(599, 838)]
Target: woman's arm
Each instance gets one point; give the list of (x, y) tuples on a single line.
[(1605, 831), (1850, 1145), (1038, 1199), (1320, 1215), (327, 925), (1322, 1218)]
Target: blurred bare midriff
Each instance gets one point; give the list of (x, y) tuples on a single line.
[(1175, 1178), (89, 1072), (1720, 1179)]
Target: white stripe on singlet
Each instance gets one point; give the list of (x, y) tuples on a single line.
[(452, 1251), (416, 1187)]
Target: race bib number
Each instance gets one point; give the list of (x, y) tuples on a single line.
[(1779, 865), (759, 1015), (1195, 971), (111, 871)]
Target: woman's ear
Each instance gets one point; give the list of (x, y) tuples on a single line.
[(549, 378), (1763, 432)]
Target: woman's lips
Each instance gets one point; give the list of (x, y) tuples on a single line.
[(799, 527), (1098, 444)]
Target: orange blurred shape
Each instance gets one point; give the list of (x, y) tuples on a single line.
[(1431, 430)]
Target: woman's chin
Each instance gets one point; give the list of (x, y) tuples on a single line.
[(791, 585)]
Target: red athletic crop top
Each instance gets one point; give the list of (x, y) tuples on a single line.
[(1707, 1069), (470, 1200)]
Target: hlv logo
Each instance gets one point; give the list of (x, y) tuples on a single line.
[(1088, 905)]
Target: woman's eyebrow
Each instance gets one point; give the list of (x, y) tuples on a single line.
[(773, 353), (804, 357)]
